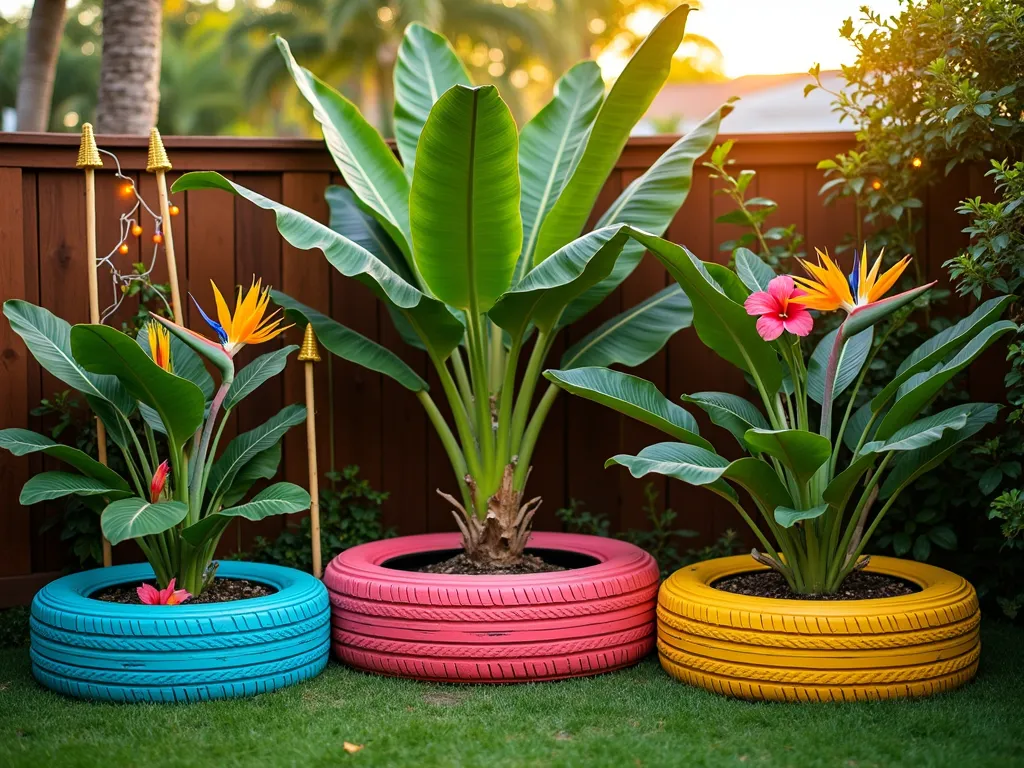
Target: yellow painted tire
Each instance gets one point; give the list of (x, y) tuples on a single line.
[(812, 650)]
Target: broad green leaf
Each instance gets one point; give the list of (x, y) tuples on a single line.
[(910, 466), (118, 428), (349, 220), (246, 446), (691, 464), (366, 162), (634, 336), (801, 451), (57, 485), (180, 403), (438, 326), (922, 432), (256, 373), (918, 390), (758, 479), (134, 517), (727, 281), (632, 396), (729, 411), (541, 296), (650, 202), (277, 499), (425, 68), (868, 315), (943, 344), (464, 204), (352, 346), (48, 338), (841, 487), (262, 466), (751, 269), (547, 145), (628, 100), (851, 359), (723, 325), (184, 362), (858, 423), (22, 442), (788, 517)]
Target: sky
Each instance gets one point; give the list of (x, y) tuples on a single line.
[(755, 36)]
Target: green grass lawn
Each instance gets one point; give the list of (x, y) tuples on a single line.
[(639, 717)]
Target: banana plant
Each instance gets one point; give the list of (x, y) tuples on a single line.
[(179, 496), (478, 245), (817, 511)]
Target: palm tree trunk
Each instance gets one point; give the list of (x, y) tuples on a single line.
[(35, 86), (129, 93)]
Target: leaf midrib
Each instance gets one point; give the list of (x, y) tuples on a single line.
[(638, 310)]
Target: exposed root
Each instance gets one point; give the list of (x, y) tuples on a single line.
[(768, 560)]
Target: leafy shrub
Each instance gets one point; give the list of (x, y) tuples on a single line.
[(14, 630)]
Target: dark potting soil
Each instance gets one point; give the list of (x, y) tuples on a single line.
[(858, 586), (220, 591), (460, 564)]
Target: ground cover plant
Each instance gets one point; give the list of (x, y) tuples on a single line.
[(177, 496), (474, 245), (817, 509), (639, 716)]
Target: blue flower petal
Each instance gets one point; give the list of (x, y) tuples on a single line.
[(854, 279), (222, 336)]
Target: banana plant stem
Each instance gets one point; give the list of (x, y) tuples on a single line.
[(451, 445), (529, 440)]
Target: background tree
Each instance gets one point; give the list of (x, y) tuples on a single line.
[(39, 66), (129, 89)]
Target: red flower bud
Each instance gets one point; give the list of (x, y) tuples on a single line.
[(156, 487)]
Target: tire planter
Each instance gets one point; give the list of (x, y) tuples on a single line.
[(798, 650), (492, 629), (92, 649)]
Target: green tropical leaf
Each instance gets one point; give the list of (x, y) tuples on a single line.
[(919, 389), (722, 324), (691, 464), (184, 361), (547, 145), (246, 446), (466, 227), (277, 499), (751, 269), (367, 164), (57, 485), (256, 373), (262, 466), (180, 403), (857, 425), (730, 412), (788, 517), (841, 487), (438, 325), (943, 344), (632, 396), (352, 346), (634, 336), (801, 451), (425, 68), (923, 432), (22, 442), (48, 338), (851, 359), (541, 296), (131, 518), (628, 100)]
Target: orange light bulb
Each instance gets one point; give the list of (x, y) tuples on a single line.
[(158, 238), (123, 249), (127, 190), (917, 162), (136, 229), (876, 184), (175, 210)]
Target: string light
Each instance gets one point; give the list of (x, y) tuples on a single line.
[(876, 184), (917, 162), (175, 210), (130, 225)]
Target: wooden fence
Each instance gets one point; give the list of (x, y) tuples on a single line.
[(376, 423)]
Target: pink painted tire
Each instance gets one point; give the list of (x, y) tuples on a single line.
[(597, 617)]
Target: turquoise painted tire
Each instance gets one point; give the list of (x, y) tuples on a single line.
[(91, 649)]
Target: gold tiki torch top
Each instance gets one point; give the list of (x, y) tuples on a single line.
[(308, 353), (88, 153), (157, 160)]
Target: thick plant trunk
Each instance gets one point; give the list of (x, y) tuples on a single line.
[(500, 537), (129, 94), (35, 83)]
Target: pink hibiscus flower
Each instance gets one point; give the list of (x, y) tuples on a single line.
[(150, 595), (777, 311)]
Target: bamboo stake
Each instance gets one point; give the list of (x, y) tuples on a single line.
[(89, 160), (309, 355), (158, 163)]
